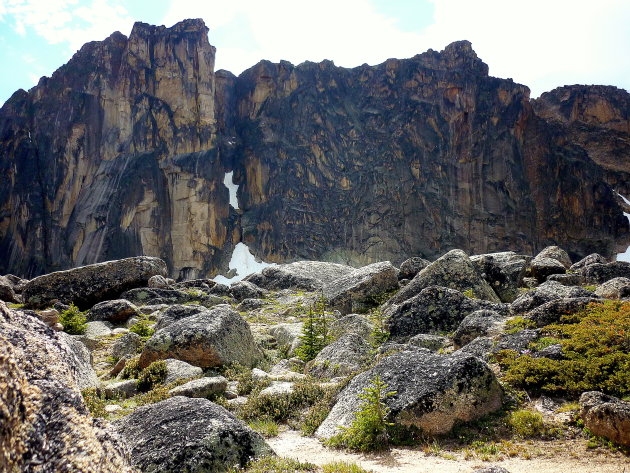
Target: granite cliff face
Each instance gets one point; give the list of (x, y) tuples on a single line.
[(123, 151)]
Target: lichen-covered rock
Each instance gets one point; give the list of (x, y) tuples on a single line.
[(251, 304), (361, 288), (548, 291), (606, 416), (615, 288), (286, 334), (557, 253), (81, 361), (202, 387), (568, 279), (305, 275), (553, 352), (177, 369), (116, 311), (428, 341), (88, 285), (121, 389), (348, 354), (189, 434), (158, 282), (210, 338), (551, 312), (435, 309), (503, 271), (246, 290), (481, 347), (542, 268), (593, 258), (433, 392), (352, 323), (7, 294), (599, 273), (176, 312), (94, 333), (453, 270), (519, 341), (42, 414), (127, 345), (478, 324), (146, 296), (412, 266)]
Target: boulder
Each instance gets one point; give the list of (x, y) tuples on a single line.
[(246, 290), (121, 389), (453, 270), (615, 288), (346, 355), (551, 312), (221, 290), (606, 416), (433, 392), (434, 310), (127, 345), (361, 288), (94, 333), (478, 324), (89, 285), (43, 413), (542, 268), (568, 279), (277, 389), (481, 347), (81, 362), (158, 282), (428, 341), (518, 341), (117, 311), (188, 434), (7, 294), (210, 338), (176, 369), (203, 284), (202, 387), (503, 271), (176, 312), (251, 304), (286, 334), (16, 283), (305, 275), (146, 296), (599, 273), (553, 352), (587, 261), (352, 323), (412, 266), (546, 292), (556, 253)]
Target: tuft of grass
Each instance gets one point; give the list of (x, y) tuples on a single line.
[(470, 294), (152, 375), (73, 320), (526, 423), (517, 324), (131, 369), (243, 376), (282, 407), (142, 328), (343, 467), (275, 465), (94, 401), (265, 427)]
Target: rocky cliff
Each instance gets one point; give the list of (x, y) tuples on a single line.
[(124, 150)]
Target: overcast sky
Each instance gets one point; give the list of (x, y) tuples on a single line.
[(540, 43)]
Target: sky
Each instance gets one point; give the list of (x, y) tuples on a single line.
[(540, 43)]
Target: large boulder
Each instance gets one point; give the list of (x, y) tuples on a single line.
[(503, 271), (551, 312), (42, 414), (412, 266), (306, 275), (185, 434), (435, 310), (127, 345), (147, 296), (346, 355), (599, 273), (546, 292), (352, 323), (177, 369), (478, 324), (453, 270), (210, 338), (177, 312), (432, 392), (88, 285), (593, 258), (542, 268), (117, 311), (361, 288), (556, 253), (606, 416), (615, 288), (202, 387), (7, 293), (246, 290)]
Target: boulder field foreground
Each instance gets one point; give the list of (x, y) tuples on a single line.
[(189, 376)]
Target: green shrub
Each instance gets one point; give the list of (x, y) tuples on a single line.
[(243, 376), (275, 465), (73, 320), (142, 328), (342, 467), (517, 324), (315, 333), (94, 401), (281, 407), (152, 375), (596, 345), (368, 431), (526, 423), (314, 417), (265, 427), (380, 334), (131, 369)]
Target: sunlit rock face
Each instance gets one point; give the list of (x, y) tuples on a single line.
[(137, 146)]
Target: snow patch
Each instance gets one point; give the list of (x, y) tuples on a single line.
[(625, 256), (228, 182), (244, 262)]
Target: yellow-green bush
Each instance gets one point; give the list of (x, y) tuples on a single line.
[(73, 320), (142, 328), (94, 401), (526, 423), (596, 345), (152, 375), (131, 369)]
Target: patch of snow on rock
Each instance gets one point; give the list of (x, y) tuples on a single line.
[(625, 256), (244, 262), (232, 188)]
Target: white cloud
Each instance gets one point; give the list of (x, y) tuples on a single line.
[(541, 43)]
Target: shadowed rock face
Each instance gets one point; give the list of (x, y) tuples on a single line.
[(123, 151)]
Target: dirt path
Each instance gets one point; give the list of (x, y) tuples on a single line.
[(547, 457)]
